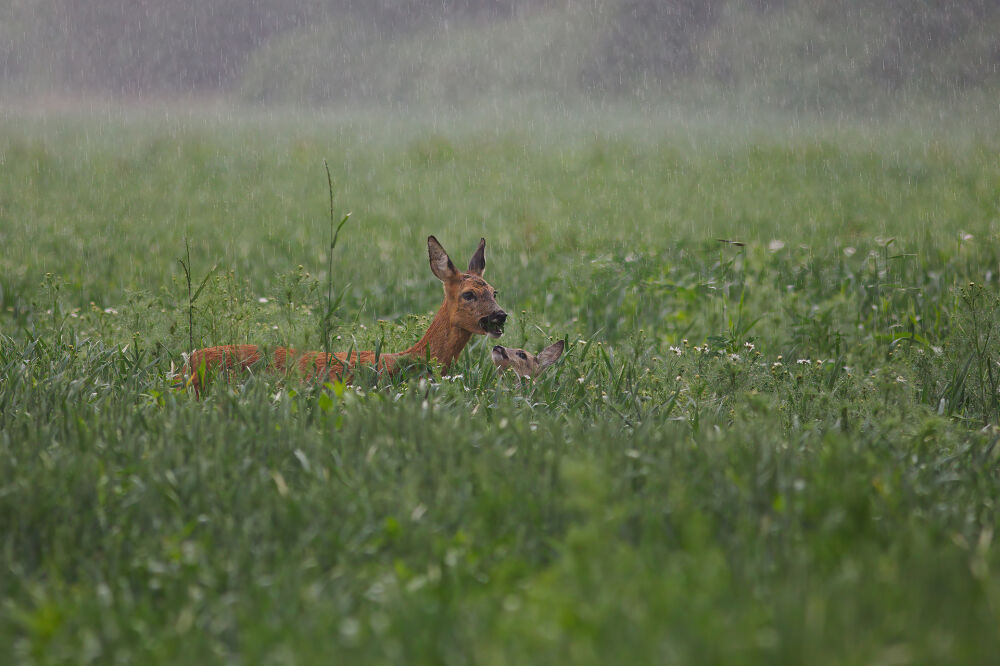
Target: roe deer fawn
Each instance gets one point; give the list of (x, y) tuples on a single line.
[(526, 364), (469, 308)]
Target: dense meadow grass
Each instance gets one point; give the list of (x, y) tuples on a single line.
[(777, 449)]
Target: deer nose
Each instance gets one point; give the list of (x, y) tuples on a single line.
[(500, 350), (499, 317)]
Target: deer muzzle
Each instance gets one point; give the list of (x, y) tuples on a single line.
[(493, 323)]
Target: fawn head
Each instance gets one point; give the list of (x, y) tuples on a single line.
[(470, 301), (526, 364)]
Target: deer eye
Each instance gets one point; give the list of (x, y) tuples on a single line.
[(469, 295), (522, 355)]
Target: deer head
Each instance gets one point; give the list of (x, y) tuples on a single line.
[(526, 364), (469, 301)]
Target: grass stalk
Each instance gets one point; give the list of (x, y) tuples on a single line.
[(334, 235)]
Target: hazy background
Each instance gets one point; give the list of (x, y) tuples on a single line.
[(780, 449), (847, 56)]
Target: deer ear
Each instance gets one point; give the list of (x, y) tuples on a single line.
[(441, 264), (478, 262), (550, 354)]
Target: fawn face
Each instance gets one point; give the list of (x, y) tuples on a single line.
[(526, 364), (470, 300)]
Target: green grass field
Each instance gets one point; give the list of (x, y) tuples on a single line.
[(775, 452)]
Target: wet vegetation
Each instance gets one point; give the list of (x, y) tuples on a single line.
[(766, 231), (772, 437)]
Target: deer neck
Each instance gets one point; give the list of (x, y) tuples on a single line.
[(443, 340)]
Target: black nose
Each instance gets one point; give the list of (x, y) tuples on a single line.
[(498, 317), (500, 350)]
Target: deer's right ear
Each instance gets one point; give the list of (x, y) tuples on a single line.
[(441, 264), (550, 354)]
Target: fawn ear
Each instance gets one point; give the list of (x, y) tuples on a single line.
[(550, 354), (441, 264), (478, 262)]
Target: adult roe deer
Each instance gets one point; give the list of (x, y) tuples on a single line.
[(469, 308)]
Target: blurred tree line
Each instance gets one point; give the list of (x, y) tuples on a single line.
[(661, 39), (136, 47)]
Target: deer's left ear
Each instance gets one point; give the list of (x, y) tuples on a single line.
[(550, 354), (478, 262)]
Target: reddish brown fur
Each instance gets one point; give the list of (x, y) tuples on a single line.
[(228, 357), (458, 318)]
